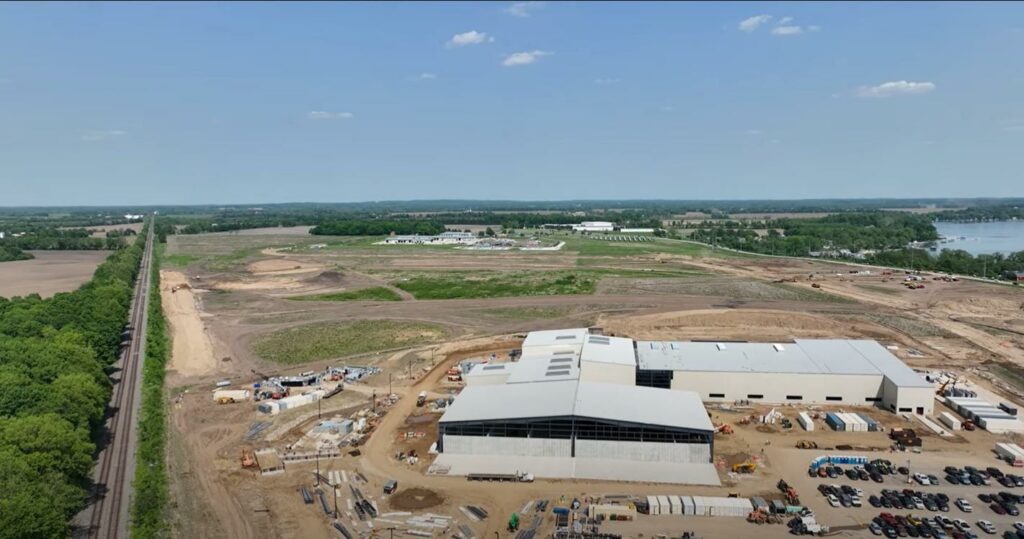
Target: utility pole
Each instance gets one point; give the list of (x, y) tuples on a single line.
[(335, 488), (389, 385), (319, 411), (410, 371), (318, 466), (391, 531)]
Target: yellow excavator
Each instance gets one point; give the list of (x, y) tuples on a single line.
[(744, 467)]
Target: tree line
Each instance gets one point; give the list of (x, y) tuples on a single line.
[(54, 390), (377, 228)]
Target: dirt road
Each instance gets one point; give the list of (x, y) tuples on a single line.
[(192, 352)]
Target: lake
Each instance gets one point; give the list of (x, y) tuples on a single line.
[(983, 238)]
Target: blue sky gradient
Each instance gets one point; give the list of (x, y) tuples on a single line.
[(177, 103)]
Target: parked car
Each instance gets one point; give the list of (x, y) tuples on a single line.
[(986, 526), (964, 505)]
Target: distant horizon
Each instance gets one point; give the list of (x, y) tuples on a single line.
[(916, 202)]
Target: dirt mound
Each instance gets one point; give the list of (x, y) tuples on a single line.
[(326, 278), (415, 498), (983, 306)]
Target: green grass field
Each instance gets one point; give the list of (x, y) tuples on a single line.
[(376, 293), (179, 261), (334, 340), (490, 284)]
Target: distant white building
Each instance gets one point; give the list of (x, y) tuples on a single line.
[(133, 216), (594, 226), (444, 238)]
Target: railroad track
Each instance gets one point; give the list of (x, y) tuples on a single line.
[(108, 514)]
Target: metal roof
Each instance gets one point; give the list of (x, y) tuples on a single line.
[(512, 401), (814, 356), (645, 405), (557, 337), (614, 350), (551, 368)]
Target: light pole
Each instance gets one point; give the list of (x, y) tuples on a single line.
[(389, 385), (335, 489), (318, 466)]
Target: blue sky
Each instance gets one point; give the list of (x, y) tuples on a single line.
[(165, 103)]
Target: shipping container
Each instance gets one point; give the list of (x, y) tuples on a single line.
[(675, 505), (872, 424), (1008, 408), (1010, 453), (688, 507), (664, 506), (652, 505), (950, 421), (832, 420), (805, 421), (759, 503)]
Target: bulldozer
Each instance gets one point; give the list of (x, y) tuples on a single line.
[(247, 459), (806, 444), (744, 467)]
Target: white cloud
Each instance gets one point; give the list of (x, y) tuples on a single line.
[(325, 115), (471, 37), (606, 81), (752, 23), (753, 132), (522, 9), (787, 30), (424, 76), (895, 88), (524, 58), (784, 21), (106, 134)]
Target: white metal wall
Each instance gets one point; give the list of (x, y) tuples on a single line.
[(907, 399), (607, 373), (776, 387), (643, 451), (494, 445)]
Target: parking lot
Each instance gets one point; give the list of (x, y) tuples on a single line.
[(922, 499)]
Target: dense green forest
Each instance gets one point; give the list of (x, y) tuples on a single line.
[(377, 228), (800, 237), (955, 261), (53, 394), (982, 213)]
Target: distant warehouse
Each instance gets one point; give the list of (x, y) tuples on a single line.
[(827, 371)]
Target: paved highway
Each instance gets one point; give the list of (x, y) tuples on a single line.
[(106, 516)]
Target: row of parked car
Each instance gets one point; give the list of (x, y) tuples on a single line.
[(939, 527), (874, 471), (913, 499), (969, 475)]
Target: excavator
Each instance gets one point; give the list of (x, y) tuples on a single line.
[(744, 467), (724, 428)]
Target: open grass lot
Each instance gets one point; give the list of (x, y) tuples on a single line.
[(375, 293), (489, 284), (334, 340)]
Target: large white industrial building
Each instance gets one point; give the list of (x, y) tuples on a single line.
[(599, 407), (825, 371), (569, 408)]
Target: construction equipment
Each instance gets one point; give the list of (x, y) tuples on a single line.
[(248, 461), (789, 492), (806, 444), (744, 467), (724, 428), (513, 522), (421, 399)]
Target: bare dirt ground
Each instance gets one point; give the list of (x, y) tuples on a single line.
[(192, 352), (49, 272), (946, 325)]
